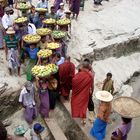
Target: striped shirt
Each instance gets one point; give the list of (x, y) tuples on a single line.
[(11, 43)]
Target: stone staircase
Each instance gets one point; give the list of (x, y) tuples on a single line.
[(85, 128), (62, 126), (55, 130)]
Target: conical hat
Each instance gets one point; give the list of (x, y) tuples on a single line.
[(104, 96), (127, 107)]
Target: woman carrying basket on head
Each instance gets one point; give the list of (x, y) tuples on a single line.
[(42, 85)]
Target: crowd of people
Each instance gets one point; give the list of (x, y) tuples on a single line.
[(57, 86)]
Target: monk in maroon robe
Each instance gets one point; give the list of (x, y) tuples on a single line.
[(81, 86), (66, 73)]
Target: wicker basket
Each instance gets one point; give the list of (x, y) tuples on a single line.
[(48, 31), (41, 10), (31, 41), (127, 107), (49, 23)]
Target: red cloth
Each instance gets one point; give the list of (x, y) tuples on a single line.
[(81, 85), (1, 11), (66, 73)]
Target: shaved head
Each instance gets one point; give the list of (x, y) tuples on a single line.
[(67, 58), (86, 65)]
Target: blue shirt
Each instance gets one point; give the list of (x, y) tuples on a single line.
[(32, 53)]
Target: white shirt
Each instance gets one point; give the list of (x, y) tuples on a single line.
[(61, 61), (33, 135), (42, 4), (27, 98), (7, 21), (31, 28), (60, 13)]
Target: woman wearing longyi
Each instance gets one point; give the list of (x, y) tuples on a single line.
[(128, 108)]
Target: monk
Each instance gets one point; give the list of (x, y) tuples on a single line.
[(81, 85), (66, 73), (90, 103)]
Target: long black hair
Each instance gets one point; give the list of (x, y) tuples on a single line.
[(126, 120)]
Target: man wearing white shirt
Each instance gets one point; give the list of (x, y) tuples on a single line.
[(31, 28), (59, 59), (42, 4), (27, 100), (6, 19)]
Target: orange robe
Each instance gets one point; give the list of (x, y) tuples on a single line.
[(81, 84)]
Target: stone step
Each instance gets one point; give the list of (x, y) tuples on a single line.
[(55, 130), (85, 128)]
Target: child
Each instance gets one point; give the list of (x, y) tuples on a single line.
[(122, 130), (99, 127), (108, 83)]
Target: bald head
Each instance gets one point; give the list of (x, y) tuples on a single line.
[(67, 58), (86, 65)]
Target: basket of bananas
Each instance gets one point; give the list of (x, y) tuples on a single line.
[(29, 38), (23, 6), (20, 20), (43, 31), (53, 67), (44, 53), (49, 21), (44, 71), (53, 45), (41, 10), (63, 22), (57, 34)]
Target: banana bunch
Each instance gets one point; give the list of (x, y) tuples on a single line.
[(64, 21), (29, 38), (53, 67), (44, 71), (58, 34), (41, 9), (23, 6), (43, 31), (53, 46), (21, 20), (44, 53), (49, 21), (35, 70)]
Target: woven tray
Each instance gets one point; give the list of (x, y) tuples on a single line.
[(127, 107)]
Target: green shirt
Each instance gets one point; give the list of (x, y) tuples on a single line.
[(11, 43)]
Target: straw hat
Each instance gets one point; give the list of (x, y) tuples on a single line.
[(20, 130), (127, 107), (10, 31), (104, 96), (67, 11)]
